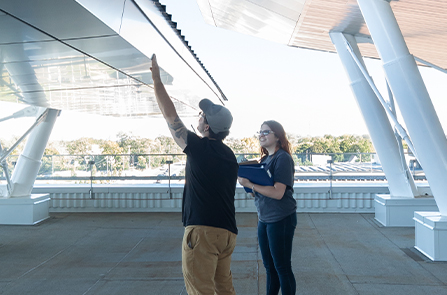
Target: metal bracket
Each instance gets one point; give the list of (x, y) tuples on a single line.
[(430, 64), (30, 111)]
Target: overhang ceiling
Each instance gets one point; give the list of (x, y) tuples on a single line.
[(94, 57), (306, 24)]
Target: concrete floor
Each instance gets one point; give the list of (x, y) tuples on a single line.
[(139, 253)]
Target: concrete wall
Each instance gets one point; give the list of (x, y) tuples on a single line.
[(311, 197)]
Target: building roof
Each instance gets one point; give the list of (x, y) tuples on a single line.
[(306, 24)]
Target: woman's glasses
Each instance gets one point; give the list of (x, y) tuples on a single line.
[(264, 132)]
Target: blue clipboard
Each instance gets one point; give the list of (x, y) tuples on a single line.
[(256, 174)]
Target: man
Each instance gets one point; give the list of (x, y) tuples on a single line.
[(208, 211)]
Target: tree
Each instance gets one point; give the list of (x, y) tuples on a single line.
[(235, 144), (82, 148), (351, 144), (167, 145), (304, 150), (251, 144), (246, 145), (134, 145), (50, 160), (113, 156), (340, 147), (111, 159)]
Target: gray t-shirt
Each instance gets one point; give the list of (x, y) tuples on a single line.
[(282, 169)]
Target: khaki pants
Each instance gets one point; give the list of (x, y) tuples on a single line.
[(206, 259)]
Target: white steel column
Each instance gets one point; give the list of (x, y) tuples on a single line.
[(380, 130), (411, 95), (29, 161)]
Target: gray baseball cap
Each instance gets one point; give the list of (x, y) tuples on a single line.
[(219, 117)]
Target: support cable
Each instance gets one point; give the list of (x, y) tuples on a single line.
[(398, 137)]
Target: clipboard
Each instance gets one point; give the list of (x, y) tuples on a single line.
[(256, 174)]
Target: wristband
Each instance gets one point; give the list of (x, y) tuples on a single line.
[(253, 188)]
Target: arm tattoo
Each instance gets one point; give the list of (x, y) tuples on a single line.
[(178, 129)]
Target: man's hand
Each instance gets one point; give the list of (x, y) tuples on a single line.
[(176, 126), (155, 69)]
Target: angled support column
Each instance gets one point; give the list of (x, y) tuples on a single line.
[(420, 118), (29, 161), (26, 112), (411, 95), (388, 107), (396, 209), (382, 135), (20, 207)]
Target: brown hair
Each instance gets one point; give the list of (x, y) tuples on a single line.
[(283, 142)]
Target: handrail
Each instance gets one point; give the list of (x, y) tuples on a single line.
[(125, 167)]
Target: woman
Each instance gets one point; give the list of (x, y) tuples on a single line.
[(276, 209)]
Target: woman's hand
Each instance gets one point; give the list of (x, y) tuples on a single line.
[(247, 183), (275, 192), (244, 182)]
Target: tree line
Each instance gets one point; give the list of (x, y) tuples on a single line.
[(115, 152)]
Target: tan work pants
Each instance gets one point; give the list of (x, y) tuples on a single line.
[(206, 259)]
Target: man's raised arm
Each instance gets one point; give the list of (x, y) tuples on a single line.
[(176, 126)]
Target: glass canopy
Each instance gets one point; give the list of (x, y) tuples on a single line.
[(94, 57)]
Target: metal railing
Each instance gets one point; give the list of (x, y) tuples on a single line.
[(153, 168)]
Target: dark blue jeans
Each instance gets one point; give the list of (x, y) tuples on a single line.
[(275, 242)]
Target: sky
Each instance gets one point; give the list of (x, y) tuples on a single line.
[(306, 91)]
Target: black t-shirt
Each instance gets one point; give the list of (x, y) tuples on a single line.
[(210, 184)]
